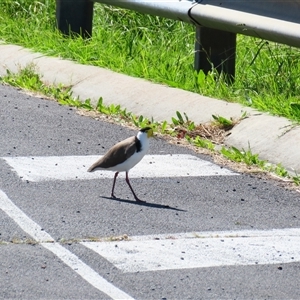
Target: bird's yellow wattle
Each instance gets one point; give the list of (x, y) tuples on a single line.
[(150, 133)]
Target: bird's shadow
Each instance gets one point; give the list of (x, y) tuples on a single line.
[(147, 204)]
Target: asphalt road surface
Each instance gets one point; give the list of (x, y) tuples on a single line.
[(205, 232)]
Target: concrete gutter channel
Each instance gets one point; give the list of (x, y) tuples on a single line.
[(273, 138)]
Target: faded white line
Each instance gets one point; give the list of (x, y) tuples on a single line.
[(23, 220), (201, 250), (86, 272), (70, 259), (41, 168)]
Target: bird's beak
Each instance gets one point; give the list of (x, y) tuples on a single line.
[(155, 136)]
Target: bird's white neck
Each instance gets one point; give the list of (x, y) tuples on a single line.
[(142, 136)]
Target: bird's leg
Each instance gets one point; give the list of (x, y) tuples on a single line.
[(113, 188), (135, 196)]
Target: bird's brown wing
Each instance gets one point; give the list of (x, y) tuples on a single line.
[(116, 155)]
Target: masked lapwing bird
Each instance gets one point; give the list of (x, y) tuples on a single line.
[(125, 155)]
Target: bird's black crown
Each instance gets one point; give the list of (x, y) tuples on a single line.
[(145, 129)]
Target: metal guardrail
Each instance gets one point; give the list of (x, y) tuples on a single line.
[(216, 22)]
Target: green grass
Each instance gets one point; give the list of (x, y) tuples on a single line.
[(160, 50)]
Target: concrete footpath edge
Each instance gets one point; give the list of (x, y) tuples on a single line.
[(275, 139)]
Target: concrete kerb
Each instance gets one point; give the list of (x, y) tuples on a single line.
[(273, 138)]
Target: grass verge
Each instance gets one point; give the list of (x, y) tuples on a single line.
[(182, 129), (161, 50)]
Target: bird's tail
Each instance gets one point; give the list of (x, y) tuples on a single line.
[(91, 168)]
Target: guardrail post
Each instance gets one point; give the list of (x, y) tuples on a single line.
[(215, 48), (75, 16)]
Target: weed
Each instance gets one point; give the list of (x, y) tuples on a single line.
[(163, 127), (280, 171), (201, 143), (243, 156), (296, 179), (28, 79), (223, 122), (26, 241), (123, 237)]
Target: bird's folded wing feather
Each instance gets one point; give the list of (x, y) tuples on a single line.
[(116, 155)]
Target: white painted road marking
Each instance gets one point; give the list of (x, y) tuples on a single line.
[(70, 259), (41, 168), (169, 251), (27, 225), (201, 250)]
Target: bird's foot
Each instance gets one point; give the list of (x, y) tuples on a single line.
[(112, 196)]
